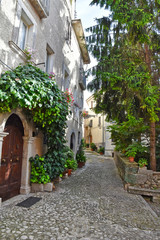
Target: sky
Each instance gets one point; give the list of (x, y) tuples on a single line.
[(88, 14)]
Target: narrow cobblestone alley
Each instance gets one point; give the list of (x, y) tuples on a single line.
[(91, 204)]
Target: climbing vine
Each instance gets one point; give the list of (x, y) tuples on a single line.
[(29, 88)]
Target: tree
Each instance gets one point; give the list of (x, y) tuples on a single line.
[(127, 47)]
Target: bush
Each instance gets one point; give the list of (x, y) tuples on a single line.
[(71, 164), (136, 148), (80, 156), (38, 171), (93, 146), (101, 150), (142, 162)]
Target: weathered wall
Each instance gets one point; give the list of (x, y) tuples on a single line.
[(50, 31), (66, 60), (138, 180)]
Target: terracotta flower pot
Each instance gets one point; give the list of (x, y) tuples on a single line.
[(101, 153), (69, 172), (131, 159), (81, 164)]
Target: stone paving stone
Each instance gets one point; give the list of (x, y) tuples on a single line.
[(90, 205)]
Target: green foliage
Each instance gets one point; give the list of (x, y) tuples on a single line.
[(93, 146), (134, 149), (142, 162), (70, 162), (38, 172), (33, 90), (80, 156), (68, 153), (124, 133), (101, 150), (125, 81)]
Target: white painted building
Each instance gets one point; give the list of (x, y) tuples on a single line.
[(49, 28), (95, 129)]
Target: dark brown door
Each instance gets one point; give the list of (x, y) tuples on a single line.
[(11, 161)]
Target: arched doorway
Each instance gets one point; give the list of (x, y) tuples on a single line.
[(72, 141), (11, 164)]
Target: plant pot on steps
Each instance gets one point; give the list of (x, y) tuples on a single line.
[(81, 164), (131, 159), (69, 172)]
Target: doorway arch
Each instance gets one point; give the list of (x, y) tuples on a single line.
[(11, 164)]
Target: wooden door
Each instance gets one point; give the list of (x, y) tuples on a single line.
[(11, 161)]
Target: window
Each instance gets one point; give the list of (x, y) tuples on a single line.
[(25, 26), (92, 104), (66, 81), (79, 135), (68, 31), (91, 123), (22, 35), (49, 59), (99, 121)]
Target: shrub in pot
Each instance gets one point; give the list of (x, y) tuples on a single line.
[(70, 162), (101, 150), (80, 157), (38, 171), (93, 147), (142, 162)]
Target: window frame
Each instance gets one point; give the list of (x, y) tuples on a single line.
[(49, 59), (24, 20)]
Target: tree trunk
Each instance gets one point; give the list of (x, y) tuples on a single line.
[(152, 124), (153, 146)]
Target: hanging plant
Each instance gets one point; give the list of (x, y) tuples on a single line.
[(69, 97), (30, 54), (84, 114)]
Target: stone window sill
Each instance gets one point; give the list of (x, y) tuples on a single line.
[(17, 50)]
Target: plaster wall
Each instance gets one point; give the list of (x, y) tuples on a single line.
[(49, 32), (98, 131)]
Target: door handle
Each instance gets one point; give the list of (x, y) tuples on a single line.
[(11, 160), (3, 160), (17, 158)]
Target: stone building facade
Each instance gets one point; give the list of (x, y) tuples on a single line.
[(95, 129), (49, 29)]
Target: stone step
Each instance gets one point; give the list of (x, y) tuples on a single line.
[(155, 194)]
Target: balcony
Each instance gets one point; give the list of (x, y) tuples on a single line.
[(41, 7), (82, 81)]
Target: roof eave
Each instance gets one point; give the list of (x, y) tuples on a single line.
[(78, 29)]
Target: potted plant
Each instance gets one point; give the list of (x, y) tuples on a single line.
[(39, 176), (142, 162), (101, 150), (80, 157), (131, 155), (135, 148), (93, 147), (71, 164)]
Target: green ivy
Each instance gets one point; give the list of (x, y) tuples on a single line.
[(38, 172), (29, 88)]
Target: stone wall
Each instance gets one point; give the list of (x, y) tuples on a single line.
[(138, 180)]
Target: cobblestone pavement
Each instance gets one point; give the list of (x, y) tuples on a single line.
[(91, 204)]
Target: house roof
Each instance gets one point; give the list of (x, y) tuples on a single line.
[(78, 29)]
